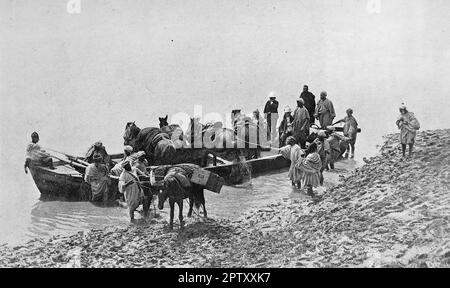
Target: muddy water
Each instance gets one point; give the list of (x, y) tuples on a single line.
[(44, 219)]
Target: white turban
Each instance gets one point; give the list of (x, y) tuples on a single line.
[(402, 106), (128, 148)]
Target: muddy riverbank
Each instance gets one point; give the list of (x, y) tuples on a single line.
[(391, 212)]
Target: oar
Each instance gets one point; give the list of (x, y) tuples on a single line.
[(68, 156), (72, 163)]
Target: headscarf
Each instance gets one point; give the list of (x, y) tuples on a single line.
[(290, 140), (287, 109), (402, 107), (322, 133), (301, 101), (128, 148)]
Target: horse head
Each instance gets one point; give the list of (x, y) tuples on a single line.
[(164, 193), (131, 132), (163, 121)]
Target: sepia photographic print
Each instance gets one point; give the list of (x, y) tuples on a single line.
[(225, 134)]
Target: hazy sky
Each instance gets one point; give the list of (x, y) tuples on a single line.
[(78, 78)]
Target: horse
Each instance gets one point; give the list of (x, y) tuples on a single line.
[(211, 135), (177, 187), (157, 145), (174, 130)]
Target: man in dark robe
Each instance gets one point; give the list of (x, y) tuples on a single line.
[(271, 114), (310, 102)]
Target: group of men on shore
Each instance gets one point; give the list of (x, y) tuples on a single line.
[(297, 123), (309, 162)]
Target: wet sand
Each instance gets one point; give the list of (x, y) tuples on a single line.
[(391, 212)]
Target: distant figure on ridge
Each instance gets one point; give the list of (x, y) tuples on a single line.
[(310, 102), (324, 111), (35, 155), (271, 115), (350, 130), (408, 125), (301, 123)]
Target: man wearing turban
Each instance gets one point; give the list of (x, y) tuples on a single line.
[(294, 153), (301, 123), (324, 111), (130, 186), (35, 155), (310, 102), (97, 177)]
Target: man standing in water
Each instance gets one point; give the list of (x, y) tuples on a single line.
[(408, 125), (35, 155), (97, 177), (130, 186), (271, 114), (310, 102), (324, 111)]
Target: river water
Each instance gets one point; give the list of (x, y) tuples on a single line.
[(78, 78), (42, 219)]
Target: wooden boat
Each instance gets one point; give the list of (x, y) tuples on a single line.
[(65, 182)]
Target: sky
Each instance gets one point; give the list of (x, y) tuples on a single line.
[(78, 78)]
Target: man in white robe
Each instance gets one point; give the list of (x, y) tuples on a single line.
[(130, 186)]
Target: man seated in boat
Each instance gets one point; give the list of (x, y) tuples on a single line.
[(97, 177), (35, 155), (98, 148)]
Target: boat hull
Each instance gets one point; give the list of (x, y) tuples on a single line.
[(69, 185)]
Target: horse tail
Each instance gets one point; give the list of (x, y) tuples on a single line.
[(198, 195)]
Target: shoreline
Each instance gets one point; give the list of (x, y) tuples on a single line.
[(389, 212)]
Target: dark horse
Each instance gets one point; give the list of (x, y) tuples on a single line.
[(156, 144), (177, 187), (174, 130)]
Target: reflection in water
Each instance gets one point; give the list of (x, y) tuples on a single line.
[(58, 217)]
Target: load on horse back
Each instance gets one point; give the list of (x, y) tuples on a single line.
[(209, 135), (178, 187), (174, 130), (157, 145), (336, 144)]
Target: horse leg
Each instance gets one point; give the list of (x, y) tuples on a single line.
[(180, 213), (172, 208), (191, 205), (146, 205), (205, 214)]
